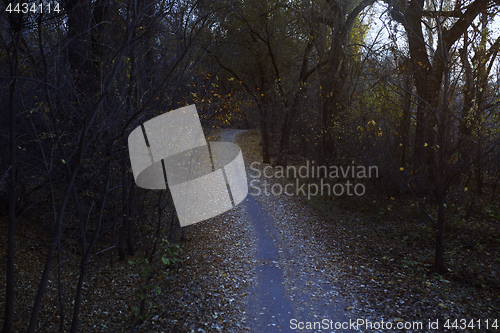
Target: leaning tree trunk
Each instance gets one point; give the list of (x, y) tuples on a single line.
[(88, 250)]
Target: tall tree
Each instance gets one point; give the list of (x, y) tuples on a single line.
[(431, 59), (340, 17), (16, 22)]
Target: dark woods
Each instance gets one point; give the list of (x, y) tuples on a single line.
[(417, 97)]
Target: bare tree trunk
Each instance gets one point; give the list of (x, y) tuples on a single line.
[(441, 196), (478, 167), (172, 233), (263, 104), (56, 230), (130, 231), (82, 235), (10, 281), (158, 224), (428, 73), (441, 190), (88, 250), (113, 230), (266, 156), (439, 254), (290, 115), (335, 75), (482, 81), (79, 15), (60, 288), (126, 232), (404, 126), (123, 230)]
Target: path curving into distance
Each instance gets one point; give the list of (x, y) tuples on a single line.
[(284, 294)]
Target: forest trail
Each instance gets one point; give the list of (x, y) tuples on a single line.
[(292, 285)]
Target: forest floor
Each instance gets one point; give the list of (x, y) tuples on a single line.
[(381, 255), (367, 260), (278, 257)]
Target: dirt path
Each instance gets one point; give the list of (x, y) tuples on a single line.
[(268, 305), (264, 266), (292, 284), (271, 264), (285, 293)]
